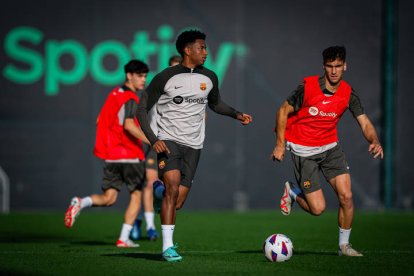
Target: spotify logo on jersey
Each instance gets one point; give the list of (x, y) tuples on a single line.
[(178, 99)]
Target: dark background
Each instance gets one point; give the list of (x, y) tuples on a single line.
[(46, 142)]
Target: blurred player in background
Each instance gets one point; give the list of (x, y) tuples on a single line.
[(181, 94), (174, 60), (151, 172), (118, 142), (307, 121)]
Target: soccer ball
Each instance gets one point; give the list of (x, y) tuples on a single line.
[(278, 248)]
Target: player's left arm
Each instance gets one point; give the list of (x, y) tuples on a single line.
[(244, 118), (217, 105), (369, 132), (368, 129)]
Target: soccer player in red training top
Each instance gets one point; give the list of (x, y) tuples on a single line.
[(181, 94), (118, 142), (306, 125)]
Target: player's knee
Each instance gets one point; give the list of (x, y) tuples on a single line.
[(110, 203), (180, 202), (317, 210), (110, 200), (345, 199), (179, 205), (172, 192)]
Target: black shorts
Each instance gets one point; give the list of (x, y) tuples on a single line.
[(150, 158), (331, 162), (115, 174), (181, 158)]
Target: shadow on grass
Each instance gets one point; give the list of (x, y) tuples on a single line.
[(101, 243), (321, 253), (147, 256), (295, 252)]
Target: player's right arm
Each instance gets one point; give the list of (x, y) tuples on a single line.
[(148, 98), (281, 121), (130, 109), (293, 103)]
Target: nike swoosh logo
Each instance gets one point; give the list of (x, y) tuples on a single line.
[(325, 102), (176, 87)]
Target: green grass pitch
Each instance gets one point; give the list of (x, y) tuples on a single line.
[(211, 243)]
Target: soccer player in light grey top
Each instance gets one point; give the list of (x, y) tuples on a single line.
[(181, 94)]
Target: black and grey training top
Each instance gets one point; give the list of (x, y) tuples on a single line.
[(180, 96)]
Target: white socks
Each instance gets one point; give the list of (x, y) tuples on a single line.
[(149, 220), (126, 230), (344, 235), (167, 236), (86, 202)]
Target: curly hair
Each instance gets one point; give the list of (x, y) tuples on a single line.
[(188, 37), (334, 52)]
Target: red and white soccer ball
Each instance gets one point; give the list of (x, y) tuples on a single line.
[(278, 248)]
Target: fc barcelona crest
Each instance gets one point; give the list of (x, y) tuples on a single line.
[(203, 86)]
